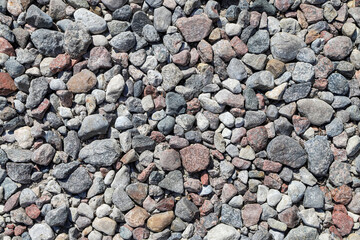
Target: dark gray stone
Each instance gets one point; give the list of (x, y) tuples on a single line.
[(186, 210), (173, 181), (320, 155), (101, 152), (338, 84), (63, 170), (296, 92), (314, 198), (57, 217), (175, 104), (78, 181), (37, 18), (48, 42), (19, 172)]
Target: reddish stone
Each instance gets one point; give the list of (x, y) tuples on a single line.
[(261, 100), (136, 217), (61, 62), (324, 67), (284, 188), (166, 204), (290, 217), (195, 157), (65, 97), (182, 58), (283, 5), (150, 90), (206, 208), (19, 230), (178, 142), (193, 106), (10, 226), (228, 192), (224, 50), (244, 142), (342, 13), (99, 58), (196, 199), (267, 165), (312, 14), (159, 103), (218, 183), (339, 154), (257, 138), (342, 220), (12, 202), (194, 28), (338, 48), (32, 211), (194, 57), (140, 233), (326, 35), (82, 82), (157, 136), (7, 85), (301, 124), (241, 163), (204, 178), (255, 18), (146, 172), (192, 185), (342, 194), (6, 47), (205, 51), (217, 154), (40, 111), (273, 181), (250, 197), (251, 214), (239, 46), (79, 66), (320, 84)]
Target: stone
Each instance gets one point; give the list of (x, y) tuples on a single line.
[(171, 75), (139, 20), (285, 46), (296, 191), (37, 18), (194, 28), (223, 232), (236, 69), (43, 155), (296, 92), (101, 152), (57, 217), (287, 151), (173, 181), (105, 225), (251, 214), (303, 72), (259, 42), (49, 43), (93, 125), (77, 182), (263, 80), (37, 91), (195, 158), (338, 48), (123, 42), (170, 160), (41, 231), (319, 154), (338, 84), (186, 210), (314, 198), (136, 217), (76, 40), (19, 172), (94, 23), (122, 200), (317, 111), (158, 222), (162, 19), (302, 233), (7, 85), (339, 173)]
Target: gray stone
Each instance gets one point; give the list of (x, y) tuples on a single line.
[(173, 181), (27, 197), (19, 172), (123, 42), (93, 125), (236, 69), (296, 191), (317, 111), (150, 34), (94, 23), (259, 42), (302, 233), (41, 231), (285, 46), (254, 119), (77, 182), (186, 210), (231, 216), (162, 19), (76, 40), (320, 155), (339, 173), (303, 72), (14, 68), (121, 200), (287, 151), (18, 155), (63, 170), (263, 80), (175, 104), (57, 217), (171, 75), (334, 128), (139, 20), (338, 84), (296, 92), (48, 42), (101, 152), (37, 18), (314, 198)]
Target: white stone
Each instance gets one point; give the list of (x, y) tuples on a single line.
[(273, 197), (23, 137), (115, 88), (223, 232)]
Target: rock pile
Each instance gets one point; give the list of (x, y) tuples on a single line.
[(179, 119)]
